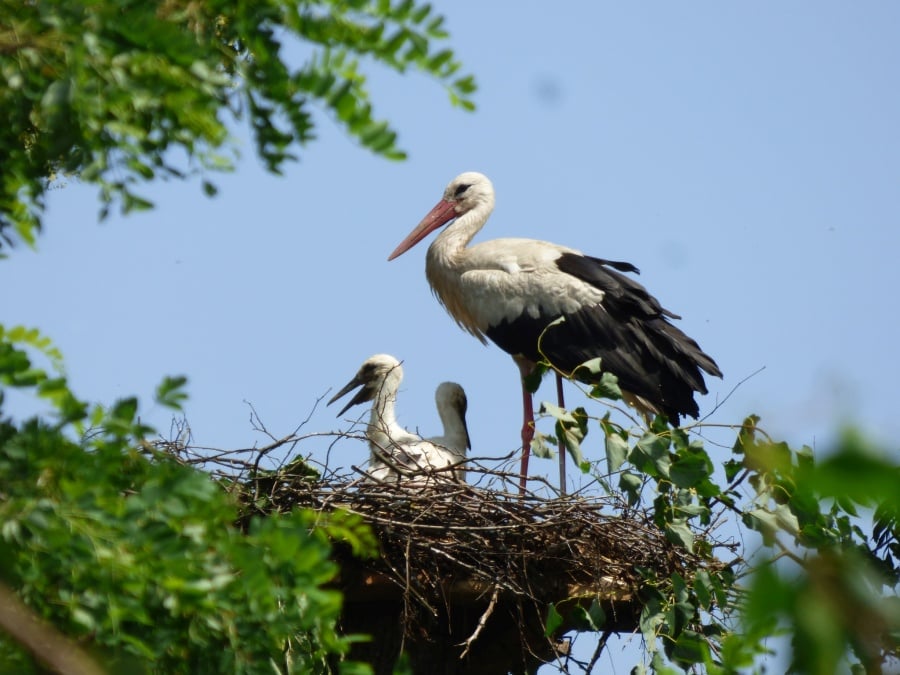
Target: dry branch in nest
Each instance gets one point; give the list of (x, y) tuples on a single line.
[(467, 572)]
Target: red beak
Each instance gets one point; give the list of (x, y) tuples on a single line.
[(442, 213)]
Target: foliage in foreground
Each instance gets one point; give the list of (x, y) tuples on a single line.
[(824, 582), (130, 553), (122, 92), (138, 558)]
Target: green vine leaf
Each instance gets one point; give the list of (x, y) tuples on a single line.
[(553, 621)]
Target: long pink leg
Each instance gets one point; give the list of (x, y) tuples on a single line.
[(562, 445), (525, 369)]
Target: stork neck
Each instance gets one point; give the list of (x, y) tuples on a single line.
[(449, 244), (454, 428), (383, 415)]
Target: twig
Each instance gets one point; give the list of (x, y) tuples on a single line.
[(601, 643), (728, 395), (411, 589), (481, 622)]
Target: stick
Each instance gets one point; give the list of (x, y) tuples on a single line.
[(481, 622)]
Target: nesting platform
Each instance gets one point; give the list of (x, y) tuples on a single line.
[(467, 573)]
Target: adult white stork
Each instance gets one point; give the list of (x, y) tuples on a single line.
[(396, 454), (511, 290)]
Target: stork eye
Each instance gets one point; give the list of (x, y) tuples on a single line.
[(460, 189)]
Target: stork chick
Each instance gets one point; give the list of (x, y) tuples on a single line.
[(398, 455)]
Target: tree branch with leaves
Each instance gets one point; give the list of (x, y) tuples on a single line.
[(124, 92)]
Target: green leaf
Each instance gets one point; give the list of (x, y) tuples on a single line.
[(124, 410), (571, 427), (540, 446), (465, 85), (631, 484), (589, 369), (746, 436), (591, 619), (83, 618), (679, 533), (690, 648), (436, 62), (597, 615), (769, 523), (652, 617), (420, 13), (132, 202), (786, 519), (703, 588), (616, 451), (768, 458), (607, 387), (762, 521), (170, 392), (732, 468), (553, 622), (532, 381), (689, 470), (855, 471), (770, 596), (651, 455)]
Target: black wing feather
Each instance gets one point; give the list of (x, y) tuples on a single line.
[(629, 330)]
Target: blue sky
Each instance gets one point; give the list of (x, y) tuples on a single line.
[(746, 157)]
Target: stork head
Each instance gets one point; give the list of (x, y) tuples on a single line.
[(466, 192), (376, 374), (450, 396)]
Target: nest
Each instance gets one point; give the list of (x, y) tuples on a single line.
[(467, 572)]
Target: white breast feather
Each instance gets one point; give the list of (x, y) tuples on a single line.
[(504, 279), (497, 296)]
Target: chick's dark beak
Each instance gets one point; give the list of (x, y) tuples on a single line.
[(361, 396)]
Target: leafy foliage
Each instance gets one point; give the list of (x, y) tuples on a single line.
[(130, 552), (571, 427), (825, 578), (836, 588), (139, 557), (122, 92), (831, 587)]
